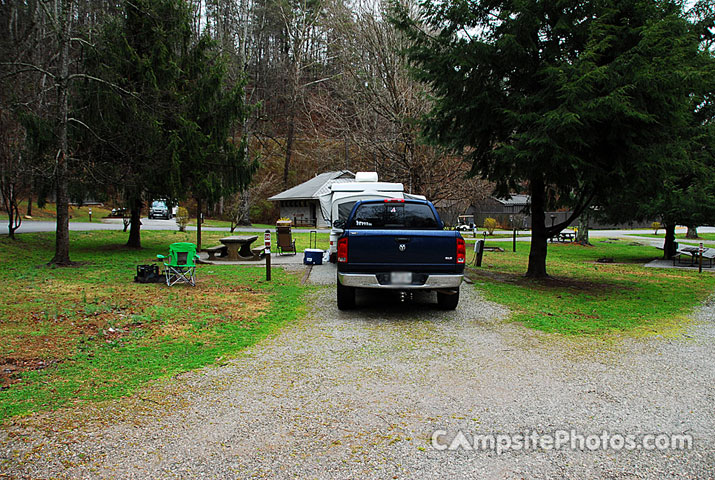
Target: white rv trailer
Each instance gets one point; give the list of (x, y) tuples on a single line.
[(337, 204)]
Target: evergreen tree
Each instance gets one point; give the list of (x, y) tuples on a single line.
[(685, 160), (570, 99), (162, 115), (213, 162)]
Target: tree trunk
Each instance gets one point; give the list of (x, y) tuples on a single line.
[(29, 205), (11, 221), (245, 218), (289, 146), (692, 232), (62, 235), (135, 223), (669, 244), (198, 224), (13, 216), (583, 225), (539, 238)]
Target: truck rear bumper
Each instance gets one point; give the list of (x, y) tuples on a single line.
[(368, 280)]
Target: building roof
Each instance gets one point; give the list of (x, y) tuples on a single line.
[(514, 201), (314, 187)]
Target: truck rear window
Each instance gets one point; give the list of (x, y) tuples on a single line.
[(395, 216)]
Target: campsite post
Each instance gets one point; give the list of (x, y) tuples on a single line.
[(267, 242)]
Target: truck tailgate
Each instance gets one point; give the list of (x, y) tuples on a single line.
[(403, 250)]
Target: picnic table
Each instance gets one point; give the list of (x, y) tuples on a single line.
[(238, 247), (564, 237), (694, 254)]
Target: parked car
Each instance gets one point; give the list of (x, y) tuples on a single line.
[(401, 245), (159, 209), (118, 212)]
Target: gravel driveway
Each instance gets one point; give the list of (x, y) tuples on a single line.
[(359, 395)]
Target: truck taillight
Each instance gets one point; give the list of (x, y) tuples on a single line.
[(394, 200), (343, 250), (461, 250)]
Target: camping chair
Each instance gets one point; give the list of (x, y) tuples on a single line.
[(286, 244), (182, 265)]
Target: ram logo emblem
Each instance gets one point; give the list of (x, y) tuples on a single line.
[(403, 247)]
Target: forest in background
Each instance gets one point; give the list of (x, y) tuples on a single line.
[(325, 88), (604, 108)]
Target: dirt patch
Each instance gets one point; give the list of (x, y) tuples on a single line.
[(75, 316), (552, 282), (11, 368)]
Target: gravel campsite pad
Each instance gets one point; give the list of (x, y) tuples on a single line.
[(360, 395)]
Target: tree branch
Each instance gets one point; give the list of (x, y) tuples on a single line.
[(113, 85), (30, 67), (578, 210)]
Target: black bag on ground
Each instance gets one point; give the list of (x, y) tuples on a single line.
[(148, 274)]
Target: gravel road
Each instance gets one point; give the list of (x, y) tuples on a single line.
[(358, 395)]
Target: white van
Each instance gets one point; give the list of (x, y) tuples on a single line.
[(337, 204)]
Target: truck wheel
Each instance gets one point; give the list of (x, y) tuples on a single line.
[(346, 297), (448, 301)]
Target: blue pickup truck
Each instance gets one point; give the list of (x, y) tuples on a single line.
[(400, 245)]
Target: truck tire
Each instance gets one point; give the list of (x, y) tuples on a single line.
[(346, 297), (447, 301)]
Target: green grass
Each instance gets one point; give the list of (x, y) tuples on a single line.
[(105, 336), (49, 212), (679, 236), (588, 298)]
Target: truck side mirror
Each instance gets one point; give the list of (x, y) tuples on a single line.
[(339, 224)]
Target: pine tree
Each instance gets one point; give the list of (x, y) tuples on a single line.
[(571, 99), (163, 115)]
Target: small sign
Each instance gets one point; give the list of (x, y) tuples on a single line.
[(267, 240)]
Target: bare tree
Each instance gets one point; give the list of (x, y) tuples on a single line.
[(376, 103), (11, 168), (47, 54)]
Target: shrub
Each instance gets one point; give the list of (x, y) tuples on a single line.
[(655, 226), (182, 219), (490, 224)]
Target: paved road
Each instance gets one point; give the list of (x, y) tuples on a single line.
[(359, 395), (116, 224)]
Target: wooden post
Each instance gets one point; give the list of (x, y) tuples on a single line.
[(199, 209), (267, 243)]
